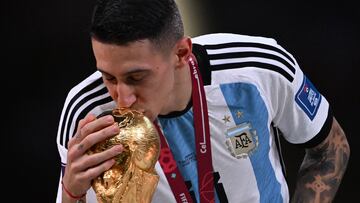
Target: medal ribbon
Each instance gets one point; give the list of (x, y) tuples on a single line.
[(203, 147)]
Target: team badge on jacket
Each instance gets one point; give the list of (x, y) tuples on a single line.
[(241, 140)]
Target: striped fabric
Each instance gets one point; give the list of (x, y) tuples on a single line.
[(255, 91)]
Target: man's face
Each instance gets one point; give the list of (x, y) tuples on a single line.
[(137, 75)]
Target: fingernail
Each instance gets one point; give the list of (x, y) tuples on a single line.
[(109, 119), (115, 128), (118, 148)]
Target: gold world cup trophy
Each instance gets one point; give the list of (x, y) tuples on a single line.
[(133, 177)]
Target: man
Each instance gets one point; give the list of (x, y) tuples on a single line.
[(220, 100)]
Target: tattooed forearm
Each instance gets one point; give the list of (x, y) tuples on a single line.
[(323, 168)]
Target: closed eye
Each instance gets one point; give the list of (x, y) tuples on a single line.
[(136, 77), (133, 77), (110, 79)]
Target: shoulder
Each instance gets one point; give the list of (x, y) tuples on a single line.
[(216, 38), (88, 96), (88, 83), (238, 55)]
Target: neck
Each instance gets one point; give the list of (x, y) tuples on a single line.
[(184, 87), (182, 90)]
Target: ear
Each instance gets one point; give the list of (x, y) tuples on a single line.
[(183, 50)]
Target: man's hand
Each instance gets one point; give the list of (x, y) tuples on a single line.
[(81, 167)]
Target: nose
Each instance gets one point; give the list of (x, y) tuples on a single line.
[(125, 95)]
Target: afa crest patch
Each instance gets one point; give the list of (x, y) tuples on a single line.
[(241, 140), (308, 98)]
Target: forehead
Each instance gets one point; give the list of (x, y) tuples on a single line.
[(140, 47), (137, 54)]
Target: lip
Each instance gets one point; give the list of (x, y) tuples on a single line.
[(141, 110), (136, 109)]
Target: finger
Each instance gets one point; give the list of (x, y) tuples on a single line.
[(99, 169), (90, 161), (89, 118), (80, 148), (89, 125), (78, 136), (95, 125)]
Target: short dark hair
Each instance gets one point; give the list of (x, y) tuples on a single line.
[(124, 21)]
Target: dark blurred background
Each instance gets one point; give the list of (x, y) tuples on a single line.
[(46, 50)]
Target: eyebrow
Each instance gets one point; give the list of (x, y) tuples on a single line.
[(135, 70)]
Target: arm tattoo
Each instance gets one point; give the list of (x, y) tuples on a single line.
[(323, 168)]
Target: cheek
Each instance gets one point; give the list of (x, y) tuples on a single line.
[(112, 91), (150, 97)]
